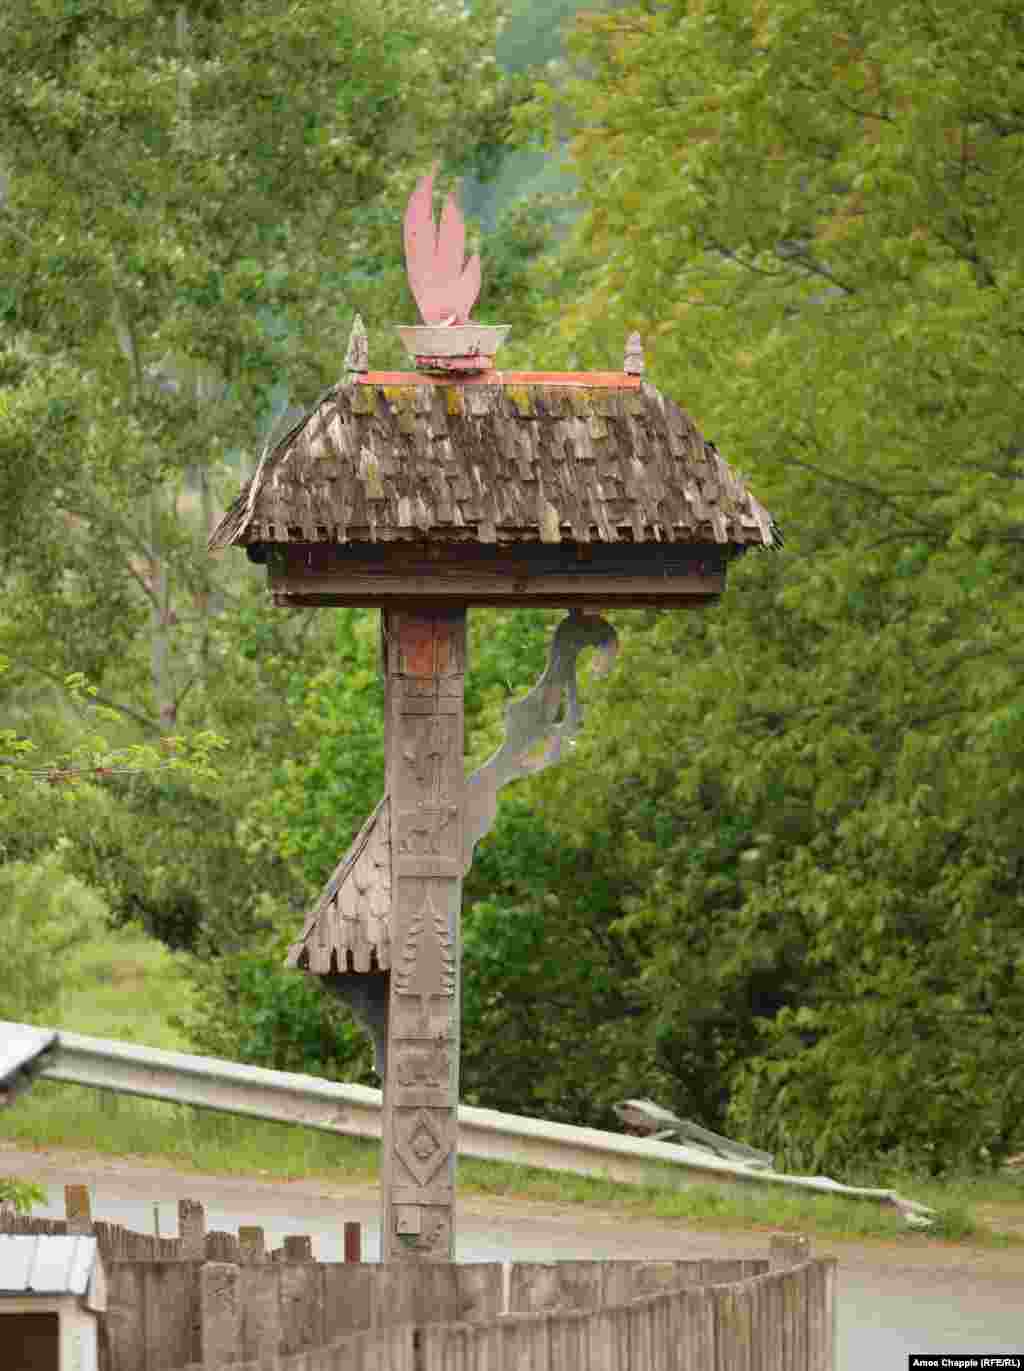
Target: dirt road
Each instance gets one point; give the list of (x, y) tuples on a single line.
[(894, 1297)]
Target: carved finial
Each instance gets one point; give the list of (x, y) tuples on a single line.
[(634, 363), (357, 358), (443, 284)]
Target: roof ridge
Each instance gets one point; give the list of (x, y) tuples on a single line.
[(595, 380)]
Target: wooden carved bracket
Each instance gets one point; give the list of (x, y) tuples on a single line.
[(355, 911), (533, 721)]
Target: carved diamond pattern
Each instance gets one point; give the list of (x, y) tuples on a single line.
[(423, 1148)]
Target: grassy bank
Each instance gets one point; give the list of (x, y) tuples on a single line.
[(126, 986)]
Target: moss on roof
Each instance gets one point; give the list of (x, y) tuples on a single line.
[(511, 462)]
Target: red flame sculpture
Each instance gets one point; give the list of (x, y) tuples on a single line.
[(444, 286)]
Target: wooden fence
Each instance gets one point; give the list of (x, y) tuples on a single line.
[(193, 1243), (207, 1300), (781, 1320)]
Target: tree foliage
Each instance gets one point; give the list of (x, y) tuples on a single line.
[(44, 914), (777, 885), (816, 789), (245, 1007), (20, 1196), (196, 199)]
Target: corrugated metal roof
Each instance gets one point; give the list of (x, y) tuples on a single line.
[(20, 1045), (44, 1265), (495, 464)]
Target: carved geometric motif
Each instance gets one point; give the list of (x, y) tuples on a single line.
[(423, 1064), (426, 751), (427, 832), (427, 965), (421, 1144), (433, 1231), (421, 1016)]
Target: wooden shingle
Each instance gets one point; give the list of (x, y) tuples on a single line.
[(504, 463), (568, 489)]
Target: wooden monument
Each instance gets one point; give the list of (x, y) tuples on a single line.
[(422, 494)]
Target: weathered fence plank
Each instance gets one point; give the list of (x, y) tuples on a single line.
[(757, 1313), (831, 1328), (639, 1335), (251, 1245), (260, 1287), (537, 1286), (348, 1298), (298, 1247), (149, 1324), (478, 1292), (302, 1305), (192, 1229), (77, 1210), (221, 1312), (789, 1249), (221, 1247), (124, 1346)]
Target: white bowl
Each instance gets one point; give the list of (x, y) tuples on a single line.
[(453, 340)]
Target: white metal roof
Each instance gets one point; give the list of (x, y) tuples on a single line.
[(42, 1264)]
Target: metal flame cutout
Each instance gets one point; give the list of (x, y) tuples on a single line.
[(444, 285)]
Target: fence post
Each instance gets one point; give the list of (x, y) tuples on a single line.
[(353, 1241), (221, 1247), (831, 1327), (251, 1245), (220, 1313), (77, 1211), (789, 1249), (192, 1230), (298, 1247)]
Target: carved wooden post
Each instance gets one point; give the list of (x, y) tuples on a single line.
[(425, 663), (407, 521)]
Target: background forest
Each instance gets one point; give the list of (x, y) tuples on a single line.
[(777, 887)]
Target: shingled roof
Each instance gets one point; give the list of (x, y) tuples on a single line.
[(501, 459), (348, 929), (504, 459)]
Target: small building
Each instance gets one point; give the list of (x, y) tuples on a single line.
[(52, 1291)]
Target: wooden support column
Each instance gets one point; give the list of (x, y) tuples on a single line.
[(425, 663)]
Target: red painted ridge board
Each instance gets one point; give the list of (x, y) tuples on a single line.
[(598, 380)]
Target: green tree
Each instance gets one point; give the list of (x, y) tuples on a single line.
[(44, 913), (19, 1196), (195, 199), (812, 213)]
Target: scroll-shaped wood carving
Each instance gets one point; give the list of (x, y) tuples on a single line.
[(428, 835), (533, 721)]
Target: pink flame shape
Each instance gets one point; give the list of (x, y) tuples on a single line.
[(443, 285)]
